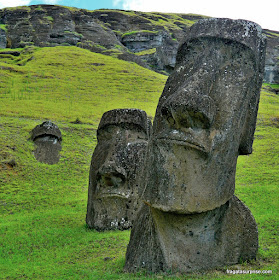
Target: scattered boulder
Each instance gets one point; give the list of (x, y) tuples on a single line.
[(115, 172), (47, 138), (3, 39), (205, 118), (272, 56)]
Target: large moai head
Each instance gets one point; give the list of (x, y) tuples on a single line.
[(206, 117), (116, 167)]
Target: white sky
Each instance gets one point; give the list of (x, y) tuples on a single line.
[(13, 3), (264, 12)]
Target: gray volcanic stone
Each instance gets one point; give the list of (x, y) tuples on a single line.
[(44, 129), (3, 39), (170, 241), (47, 138), (205, 118), (116, 167)]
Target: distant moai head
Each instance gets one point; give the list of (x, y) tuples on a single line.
[(115, 169), (206, 117), (47, 138)]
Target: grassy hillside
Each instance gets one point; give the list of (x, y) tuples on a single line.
[(65, 83), (42, 207)]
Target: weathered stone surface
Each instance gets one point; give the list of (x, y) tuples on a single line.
[(141, 41), (272, 58), (47, 138), (169, 241), (50, 25), (166, 48), (205, 118), (3, 39), (115, 170)]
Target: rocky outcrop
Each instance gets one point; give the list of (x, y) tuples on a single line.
[(165, 48), (112, 32), (3, 39), (143, 40), (272, 57), (52, 26), (149, 39)]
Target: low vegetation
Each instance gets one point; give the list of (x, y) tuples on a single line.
[(65, 83), (146, 52), (3, 27), (139, 32), (42, 207)]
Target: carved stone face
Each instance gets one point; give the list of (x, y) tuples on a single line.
[(115, 169), (47, 138), (205, 118)]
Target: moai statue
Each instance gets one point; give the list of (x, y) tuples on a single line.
[(113, 193), (206, 117), (47, 138)]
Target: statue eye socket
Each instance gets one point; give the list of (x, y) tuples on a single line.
[(106, 134), (135, 136)]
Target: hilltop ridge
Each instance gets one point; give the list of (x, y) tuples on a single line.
[(149, 39)]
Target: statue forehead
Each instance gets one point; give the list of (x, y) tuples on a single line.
[(206, 47), (46, 128), (125, 118), (243, 32)]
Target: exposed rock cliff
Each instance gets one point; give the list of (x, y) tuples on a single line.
[(272, 57), (149, 39)]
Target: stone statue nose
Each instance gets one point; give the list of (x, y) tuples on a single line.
[(187, 109), (111, 176)]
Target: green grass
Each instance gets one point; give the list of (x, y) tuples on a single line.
[(65, 83), (135, 32), (43, 207), (167, 21), (74, 33), (49, 18), (272, 34), (3, 27), (146, 52), (257, 179)]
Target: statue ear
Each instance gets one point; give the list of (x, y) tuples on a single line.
[(247, 138)]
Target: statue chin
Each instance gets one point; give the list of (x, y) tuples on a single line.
[(186, 180)]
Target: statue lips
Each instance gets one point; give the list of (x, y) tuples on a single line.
[(112, 195), (178, 137)]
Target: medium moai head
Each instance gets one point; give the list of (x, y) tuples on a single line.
[(116, 167), (47, 138), (206, 117)]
